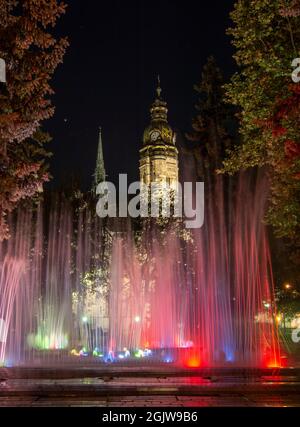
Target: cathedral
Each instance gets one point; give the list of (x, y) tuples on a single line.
[(158, 154)]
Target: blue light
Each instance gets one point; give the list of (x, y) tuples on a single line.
[(229, 356), (110, 357)]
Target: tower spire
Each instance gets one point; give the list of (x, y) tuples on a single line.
[(158, 89), (99, 175), (159, 108)]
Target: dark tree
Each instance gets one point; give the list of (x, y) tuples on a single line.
[(267, 39), (212, 124)]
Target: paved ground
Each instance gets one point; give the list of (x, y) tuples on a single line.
[(134, 387)]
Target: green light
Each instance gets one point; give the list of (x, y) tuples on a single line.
[(139, 353)]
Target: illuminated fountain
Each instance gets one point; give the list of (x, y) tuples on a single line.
[(206, 298), (72, 286)]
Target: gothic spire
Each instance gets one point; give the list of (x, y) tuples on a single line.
[(99, 174), (158, 89)]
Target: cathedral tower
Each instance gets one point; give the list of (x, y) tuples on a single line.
[(159, 155), (99, 175)]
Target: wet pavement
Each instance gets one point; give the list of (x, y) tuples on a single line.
[(133, 387)]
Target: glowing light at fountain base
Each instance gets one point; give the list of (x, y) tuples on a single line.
[(48, 341)]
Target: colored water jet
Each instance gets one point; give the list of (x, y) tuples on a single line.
[(71, 284)]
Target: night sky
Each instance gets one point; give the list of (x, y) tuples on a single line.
[(109, 74)]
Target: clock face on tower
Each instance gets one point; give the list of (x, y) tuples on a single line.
[(154, 135)]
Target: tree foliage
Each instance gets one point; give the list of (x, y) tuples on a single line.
[(211, 134), (266, 35), (31, 54)]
